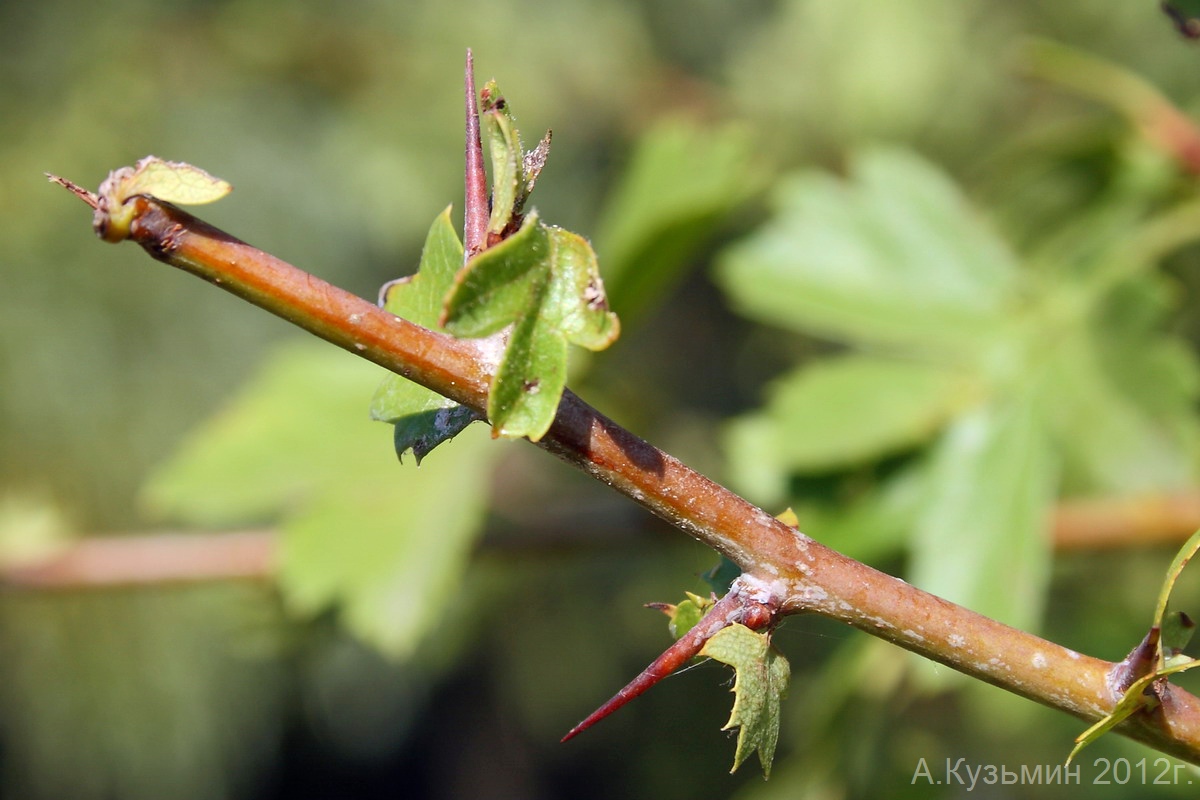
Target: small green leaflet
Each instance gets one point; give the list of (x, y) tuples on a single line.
[(683, 616), (172, 181), (423, 418), (514, 172), (545, 284), (760, 682)]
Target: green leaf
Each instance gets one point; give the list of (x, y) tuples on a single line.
[(390, 553), (895, 257), (981, 540), (683, 616), (1177, 630), (721, 576), (173, 181), (294, 449), (845, 411), (514, 171), (504, 145), (545, 283), (423, 418), (760, 682), (682, 179)]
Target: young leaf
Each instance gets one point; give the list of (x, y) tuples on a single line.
[(173, 181), (514, 171), (545, 283), (423, 418), (760, 682), (684, 616)]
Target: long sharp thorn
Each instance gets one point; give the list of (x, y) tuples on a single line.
[(672, 659), (475, 210)]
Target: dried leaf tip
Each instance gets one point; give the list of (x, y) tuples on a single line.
[(75, 189)]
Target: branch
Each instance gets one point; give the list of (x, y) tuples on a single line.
[(791, 571), (1143, 519), (104, 562)]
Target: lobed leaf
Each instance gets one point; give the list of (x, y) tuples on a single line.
[(386, 549), (761, 676)]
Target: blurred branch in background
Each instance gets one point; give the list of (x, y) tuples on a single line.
[(149, 559), (167, 558)]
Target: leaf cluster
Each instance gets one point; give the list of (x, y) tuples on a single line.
[(996, 380)]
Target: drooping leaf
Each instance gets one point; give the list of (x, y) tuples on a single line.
[(894, 256), (295, 450), (545, 283), (423, 418), (981, 539), (760, 682)]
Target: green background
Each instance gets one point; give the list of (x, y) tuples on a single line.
[(447, 661)]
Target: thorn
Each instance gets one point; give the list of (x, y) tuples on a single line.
[(1141, 661), (75, 189), (727, 610), (475, 208)]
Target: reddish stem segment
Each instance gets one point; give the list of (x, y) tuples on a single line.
[(475, 211)]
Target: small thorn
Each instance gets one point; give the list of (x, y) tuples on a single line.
[(1140, 662), (75, 189), (475, 209)]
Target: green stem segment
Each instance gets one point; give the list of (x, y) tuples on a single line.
[(791, 571)]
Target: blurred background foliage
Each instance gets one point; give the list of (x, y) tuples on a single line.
[(867, 265)]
